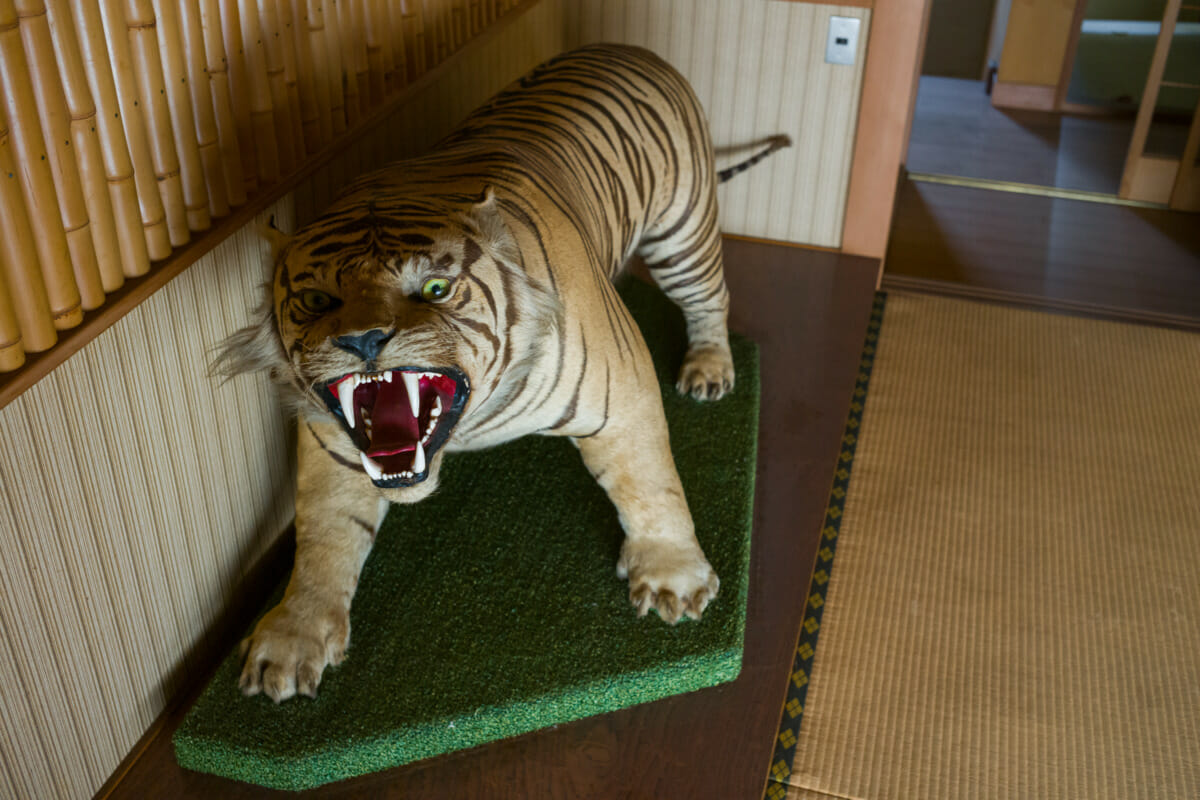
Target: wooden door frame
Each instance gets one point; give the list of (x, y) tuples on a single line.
[(895, 50), (1155, 178)]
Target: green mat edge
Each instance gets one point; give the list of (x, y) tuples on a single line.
[(329, 765), (308, 771)]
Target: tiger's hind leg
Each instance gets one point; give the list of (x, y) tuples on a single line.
[(685, 261)]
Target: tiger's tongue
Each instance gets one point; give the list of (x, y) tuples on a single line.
[(394, 429)]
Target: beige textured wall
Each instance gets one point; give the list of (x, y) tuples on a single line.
[(758, 67), (135, 491)]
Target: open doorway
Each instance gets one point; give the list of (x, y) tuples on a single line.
[(1053, 147), (1048, 94)]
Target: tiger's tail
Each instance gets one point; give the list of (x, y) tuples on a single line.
[(772, 144)]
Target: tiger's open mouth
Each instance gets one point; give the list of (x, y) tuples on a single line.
[(398, 418)]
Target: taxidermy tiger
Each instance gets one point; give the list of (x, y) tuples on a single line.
[(464, 298)]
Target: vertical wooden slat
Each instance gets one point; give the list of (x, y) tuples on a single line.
[(200, 81), (272, 144), (88, 158), (56, 132), (217, 66), (317, 127), (156, 115), (239, 87), (338, 106), (36, 182), (197, 174), (19, 258), (290, 150), (118, 168), (320, 66), (287, 40)]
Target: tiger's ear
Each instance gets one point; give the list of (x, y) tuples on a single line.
[(487, 200), (274, 237), (485, 214)]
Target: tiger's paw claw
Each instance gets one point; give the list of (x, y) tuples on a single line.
[(288, 652), (674, 580), (707, 373)]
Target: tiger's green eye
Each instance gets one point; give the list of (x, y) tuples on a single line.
[(435, 289), (315, 301)]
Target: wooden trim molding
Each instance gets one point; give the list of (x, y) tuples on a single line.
[(136, 290), (895, 48)]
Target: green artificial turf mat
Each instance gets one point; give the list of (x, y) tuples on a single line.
[(493, 608)]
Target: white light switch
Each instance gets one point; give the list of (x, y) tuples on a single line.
[(843, 40)]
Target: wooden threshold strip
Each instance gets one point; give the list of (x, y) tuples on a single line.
[(136, 290), (1032, 189)]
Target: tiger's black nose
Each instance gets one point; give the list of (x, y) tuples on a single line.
[(365, 345)]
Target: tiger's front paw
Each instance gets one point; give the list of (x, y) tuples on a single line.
[(290, 648), (707, 372), (674, 579)]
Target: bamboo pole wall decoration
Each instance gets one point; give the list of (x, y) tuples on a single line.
[(93, 179), (317, 62), (128, 126), (152, 99), (217, 66), (122, 188), (56, 132), (150, 199), (200, 85), (333, 59), (239, 87), (19, 263), (195, 178), (37, 184)]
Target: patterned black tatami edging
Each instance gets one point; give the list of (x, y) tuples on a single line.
[(806, 647)]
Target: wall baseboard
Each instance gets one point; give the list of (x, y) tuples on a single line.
[(1028, 96)]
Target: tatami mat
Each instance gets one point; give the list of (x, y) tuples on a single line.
[(1014, 608)]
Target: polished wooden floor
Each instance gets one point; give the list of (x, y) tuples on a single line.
[(1107, 260), (956, 131), (808, 312)]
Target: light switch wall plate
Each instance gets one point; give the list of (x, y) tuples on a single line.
[(842, 44)]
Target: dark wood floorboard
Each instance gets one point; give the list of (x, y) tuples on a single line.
[(808, 312), (1142, 260), (957, 131)]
